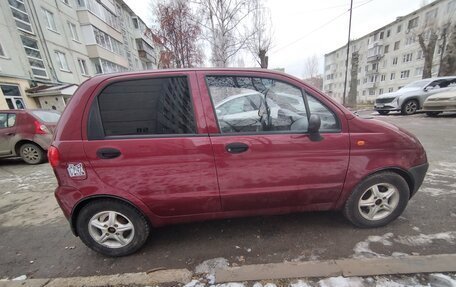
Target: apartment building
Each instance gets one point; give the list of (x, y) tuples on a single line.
[(389, 57), (48, 47)]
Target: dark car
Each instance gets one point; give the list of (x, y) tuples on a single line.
[(146, 149), (27, 133)]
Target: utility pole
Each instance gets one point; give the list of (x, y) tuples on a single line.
[(348, 51)]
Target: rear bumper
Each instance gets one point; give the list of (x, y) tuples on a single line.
[(418, 173)]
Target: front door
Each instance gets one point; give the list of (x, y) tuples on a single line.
[(264, 156), (148, 137)]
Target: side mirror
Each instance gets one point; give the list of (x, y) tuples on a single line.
[(314, 128), (428, 88)]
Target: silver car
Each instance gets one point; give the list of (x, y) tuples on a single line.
[(411, 97)]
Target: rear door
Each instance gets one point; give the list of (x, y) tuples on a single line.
[(147, 136), (7, 132), (270, 161)]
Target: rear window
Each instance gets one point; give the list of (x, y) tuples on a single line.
[(145, 107), (47, 116)]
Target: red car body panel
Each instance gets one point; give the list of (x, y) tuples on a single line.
[(187, 178)]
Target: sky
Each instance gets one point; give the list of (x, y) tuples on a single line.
[(303, 28)]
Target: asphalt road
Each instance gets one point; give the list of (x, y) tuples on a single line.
[(35, 239)]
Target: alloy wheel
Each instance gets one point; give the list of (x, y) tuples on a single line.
[(111, 229), (378, 201)]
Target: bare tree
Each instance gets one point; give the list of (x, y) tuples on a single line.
[(428, 40), (223, 21), (311, 66), (448, 50), (178, 34), (260, 41)]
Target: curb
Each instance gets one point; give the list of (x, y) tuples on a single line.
[(343, 267), (143, 278)]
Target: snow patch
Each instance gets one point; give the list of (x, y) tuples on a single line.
[(20, 278), (210, 265), (341, 282), (298, 283), (441, 280), (362, 249), (426, 239)]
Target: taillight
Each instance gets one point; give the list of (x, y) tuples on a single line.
[(53, 156), (40, 128)]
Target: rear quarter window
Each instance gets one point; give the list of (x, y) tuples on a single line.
[(160, 106), (47, 116)]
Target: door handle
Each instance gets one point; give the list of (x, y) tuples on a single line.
[(108, 153), (236, 147)]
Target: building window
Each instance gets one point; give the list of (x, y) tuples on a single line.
[(371, 92), (392, 76), (390, 90), (385, 63), (83, 67), (103, 66), (67, 2), (386, 49), (419, 54), (2, 51), (410, 40), (431, 16), (397, 45), (34, 57), (364, 92), (13, 96), (374, 67), (101, 12), (418, 71), (395, 61), (20, 15), (381, 35), (413, 23), (399, 28), (73, 31), (107, 42), (405, 74), (380, 91), (61, 59), (407, 57), (50, 22), (135, 23), (383, 77), (388, 33)]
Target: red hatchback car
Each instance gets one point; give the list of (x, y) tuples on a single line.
[(139, 150), (27, 133)]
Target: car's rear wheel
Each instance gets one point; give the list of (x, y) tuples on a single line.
[(112, 228), (383, 112), (32, 153), (409, 107), (377, 200), (432, 114)]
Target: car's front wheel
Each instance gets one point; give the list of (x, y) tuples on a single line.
[(409, 107), (377, 200), (112, 227)]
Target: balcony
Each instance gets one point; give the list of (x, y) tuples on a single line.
[(374, 58), (145, 51)]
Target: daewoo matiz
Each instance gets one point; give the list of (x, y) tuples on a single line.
[(139, 150)]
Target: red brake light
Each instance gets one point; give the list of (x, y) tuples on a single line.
[(40, 128), (53, 156)]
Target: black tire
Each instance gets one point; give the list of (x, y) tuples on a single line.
[(356, 214), (432, 114), (409, 107), (383, 112), (140, 224), (32, 153)]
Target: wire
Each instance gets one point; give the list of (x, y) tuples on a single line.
[(318, 28)]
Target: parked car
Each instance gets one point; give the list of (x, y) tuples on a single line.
[(411, 97), (440, 102), (146, 149), (27, 133)]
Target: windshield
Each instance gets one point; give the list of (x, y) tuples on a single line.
[(47, 116), (417, 84)]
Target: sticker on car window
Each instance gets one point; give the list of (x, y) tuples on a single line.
[(76, 170)]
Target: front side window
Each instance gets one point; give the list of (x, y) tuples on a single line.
[(160, 106), (7, 120), (252, 104)]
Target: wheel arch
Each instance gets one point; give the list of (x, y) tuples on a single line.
[(17, 145), (416, 98), (401, 172), (78, 207)]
